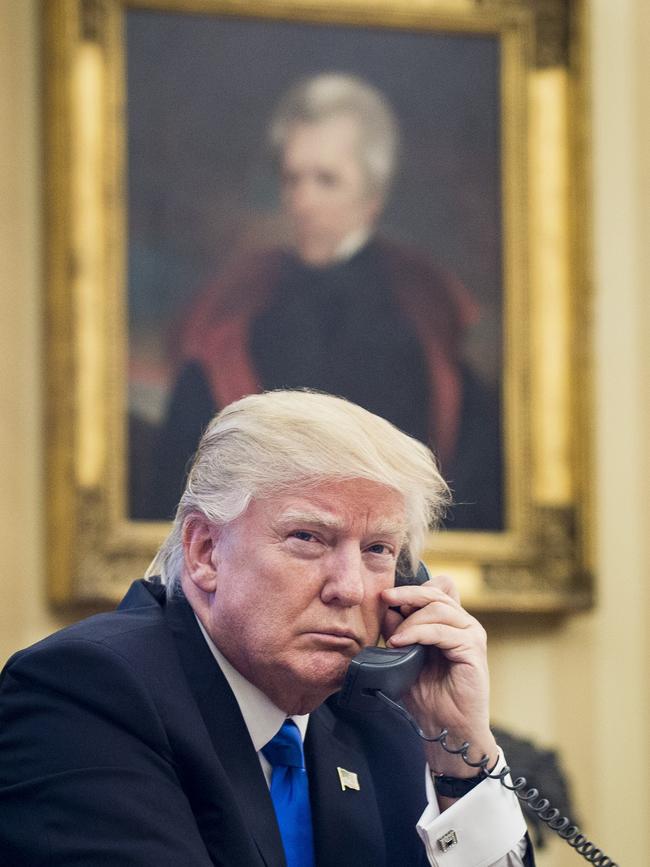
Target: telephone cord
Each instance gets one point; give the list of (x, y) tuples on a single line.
[(547, 814)]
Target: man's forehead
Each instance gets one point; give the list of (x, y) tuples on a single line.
[(340, 503), (336, 131)]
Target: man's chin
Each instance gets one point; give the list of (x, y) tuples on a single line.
[(316, 255), (324, 671)]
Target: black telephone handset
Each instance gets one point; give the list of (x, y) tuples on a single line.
[(379, 676), (382, 669)]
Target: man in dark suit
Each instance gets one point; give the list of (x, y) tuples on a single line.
[(141, 737)]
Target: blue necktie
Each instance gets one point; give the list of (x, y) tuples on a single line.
[(290, 794)]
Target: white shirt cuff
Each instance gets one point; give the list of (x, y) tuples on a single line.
[(483, 826)]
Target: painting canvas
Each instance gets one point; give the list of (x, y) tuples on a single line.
[(403, 314)]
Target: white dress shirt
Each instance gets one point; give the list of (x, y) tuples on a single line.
[(487, 822)]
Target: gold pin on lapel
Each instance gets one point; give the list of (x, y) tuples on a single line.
[(348, 780)]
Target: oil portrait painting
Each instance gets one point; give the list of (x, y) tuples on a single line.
[(314, 206)]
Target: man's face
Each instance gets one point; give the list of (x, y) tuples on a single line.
[(324, 187), (298, 583)]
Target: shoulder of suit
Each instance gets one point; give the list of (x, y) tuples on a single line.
[(107, 629), (413, 263), (245, 282), (433, 295)]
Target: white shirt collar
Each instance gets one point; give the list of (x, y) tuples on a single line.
[(263, 719), (351, 244)]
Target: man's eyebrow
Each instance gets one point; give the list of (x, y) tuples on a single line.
[(387, 527), (306, 516)]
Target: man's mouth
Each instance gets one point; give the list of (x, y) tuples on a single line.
[(338, 637)]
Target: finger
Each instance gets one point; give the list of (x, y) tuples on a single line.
[(441, 634), (417, 595), (447, 585), (404, 610), (454, 642), (394, 617), (438, 611)]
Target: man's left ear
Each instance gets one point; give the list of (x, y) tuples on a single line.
[(199, 539)]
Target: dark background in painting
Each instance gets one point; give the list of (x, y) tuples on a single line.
[(200, 93)]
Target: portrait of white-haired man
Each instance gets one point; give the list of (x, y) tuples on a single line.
[(340, 309)]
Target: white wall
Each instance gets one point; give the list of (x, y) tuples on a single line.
[(23, 613)]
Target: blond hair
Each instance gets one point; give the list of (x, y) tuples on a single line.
[(270, 443)]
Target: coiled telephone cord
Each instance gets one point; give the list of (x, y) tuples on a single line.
[(548, 814)]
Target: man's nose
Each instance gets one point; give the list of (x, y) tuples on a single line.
[(302, 198), (344, 584)]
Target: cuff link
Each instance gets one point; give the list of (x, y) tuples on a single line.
[(448, 841)]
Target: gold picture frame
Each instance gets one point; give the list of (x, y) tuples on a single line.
[(539, 559)]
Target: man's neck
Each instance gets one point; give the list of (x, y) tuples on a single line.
[(346, 250), (261, 716)]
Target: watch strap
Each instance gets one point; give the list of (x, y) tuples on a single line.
[(455, 787)]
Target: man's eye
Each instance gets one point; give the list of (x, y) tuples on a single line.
[(327, 179), (303, 535), (380, 548)]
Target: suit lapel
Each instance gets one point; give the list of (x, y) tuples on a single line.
[(347, 825), (227, 731)]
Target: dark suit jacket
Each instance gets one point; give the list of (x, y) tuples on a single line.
[(122, 744)]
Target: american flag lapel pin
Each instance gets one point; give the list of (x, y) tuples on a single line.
[(348, 780)]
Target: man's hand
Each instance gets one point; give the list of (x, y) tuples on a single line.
[(453, 690)]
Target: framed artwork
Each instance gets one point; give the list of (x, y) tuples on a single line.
[(370, 202)]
